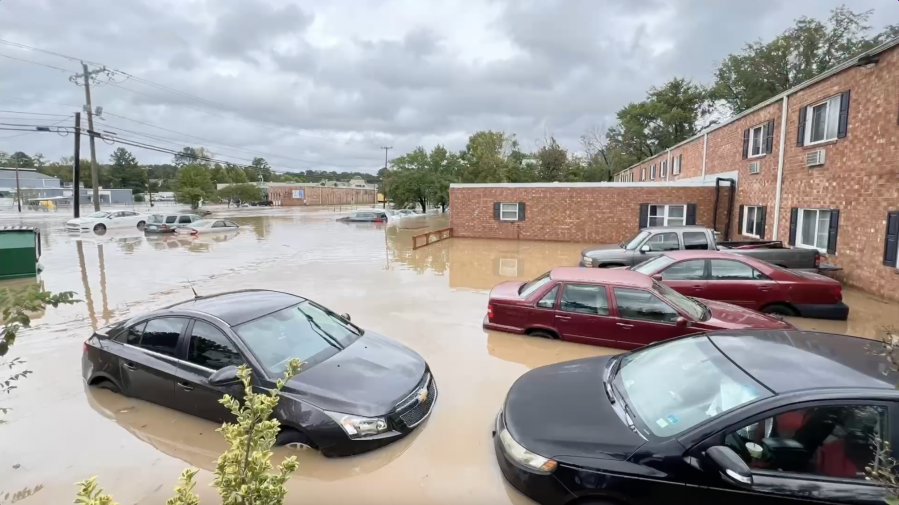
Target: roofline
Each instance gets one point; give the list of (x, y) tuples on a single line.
[(693, 182), (851, 62)]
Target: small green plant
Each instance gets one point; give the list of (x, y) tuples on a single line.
[(883, 470), (243, 473)]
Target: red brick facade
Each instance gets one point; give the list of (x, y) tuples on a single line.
[(320, 195)]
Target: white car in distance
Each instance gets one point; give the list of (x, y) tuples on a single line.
[(207, 226), (99, 222)]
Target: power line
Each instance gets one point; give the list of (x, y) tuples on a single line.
[(37, 63), (34, 113)]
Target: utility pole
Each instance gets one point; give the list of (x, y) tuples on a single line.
[(76, 169), (385, 148), (95, 171), (18, 189)]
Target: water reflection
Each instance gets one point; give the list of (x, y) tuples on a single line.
[(195, 441), (107, 314), (869, 316), (534, 352), (193, 243)]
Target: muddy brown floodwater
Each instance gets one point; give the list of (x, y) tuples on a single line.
[(432, 299)]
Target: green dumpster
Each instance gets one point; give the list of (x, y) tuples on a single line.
[(20, 250)]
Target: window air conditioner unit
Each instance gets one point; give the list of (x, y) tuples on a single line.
[(754, 167), (814, 158)]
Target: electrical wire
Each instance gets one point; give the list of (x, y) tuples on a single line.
[(33, 113), (37, 63)]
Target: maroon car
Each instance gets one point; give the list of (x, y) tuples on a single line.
[(749, 283), (614, 308)]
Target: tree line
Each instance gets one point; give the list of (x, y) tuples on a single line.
[(670, 114)]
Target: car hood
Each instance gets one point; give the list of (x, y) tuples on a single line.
[(729, 316), (506, 290), (368, 378), (562, 410), (81, 220), (602, 250)]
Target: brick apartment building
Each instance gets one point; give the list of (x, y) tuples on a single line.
[(816, 167), (294, 194)]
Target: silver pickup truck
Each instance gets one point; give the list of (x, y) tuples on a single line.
[(651, 242)]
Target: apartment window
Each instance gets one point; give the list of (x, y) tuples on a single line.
[(508, 212), (822, 121), (753, 221), (813, 229), (664, 172), (667, 215), (643, 174), (652, 172), (676, 164), (757, 141)]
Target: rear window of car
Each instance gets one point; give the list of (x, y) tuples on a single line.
[(184, 219), (155, 218)]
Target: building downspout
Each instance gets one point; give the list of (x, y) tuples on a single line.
[(780, 164), (705, 148)]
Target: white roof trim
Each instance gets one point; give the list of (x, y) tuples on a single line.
[(695, 182)]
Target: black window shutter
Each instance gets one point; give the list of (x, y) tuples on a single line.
[(644, 215), (843, 125), (760, 219), (740, 219), (745, 143), (691, 213), (521, 211), (496, 210), (794, 220), (891, 246), (800, 138), (769, 136), (832, 235)]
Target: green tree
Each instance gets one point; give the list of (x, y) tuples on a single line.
[(251, 174), (485, 157), (219, 174), (125, 172), (412, 180), (236, 175), (810, 47), (192, 156), (193, 185), (20, 159), (552, 162), (263, 169), (241, 192)]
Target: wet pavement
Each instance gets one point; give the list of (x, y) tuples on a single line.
[(432, 299)]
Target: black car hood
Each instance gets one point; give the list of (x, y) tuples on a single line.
[(562, 410), (368, 378)]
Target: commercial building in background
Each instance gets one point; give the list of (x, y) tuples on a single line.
[(35, 185), (816, 167), (293, 194)]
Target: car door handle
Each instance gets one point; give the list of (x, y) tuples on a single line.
[(131, 367), (565, 318), (185, 386), (764, 288), (625, 325), (699, 286)]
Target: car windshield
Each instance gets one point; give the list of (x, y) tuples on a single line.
[(675, 386), (306, 332), (201, 224), (534, 285), (637, 239), (155, 218), (654, 265), (99, 214), (695, 309)]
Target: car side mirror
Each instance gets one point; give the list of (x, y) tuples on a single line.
[(224, 376), (732, 468), (657, 277), (645, 248), (346, 316), (681, 322)]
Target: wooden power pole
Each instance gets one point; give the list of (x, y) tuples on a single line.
[(76, 169), (95, 170)]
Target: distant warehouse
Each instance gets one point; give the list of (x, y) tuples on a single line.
[(294, 194)]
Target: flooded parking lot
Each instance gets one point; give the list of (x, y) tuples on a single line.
[(431, 299)]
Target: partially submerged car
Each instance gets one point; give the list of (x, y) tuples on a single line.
[(615, 308), (356, 390), (167, 223), (100, 221), (206, 226), (365, 216)]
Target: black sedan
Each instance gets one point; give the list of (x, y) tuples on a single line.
[(729, 417), (356, 390)]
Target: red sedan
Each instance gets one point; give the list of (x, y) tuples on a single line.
[(614, 308), (748, 282)]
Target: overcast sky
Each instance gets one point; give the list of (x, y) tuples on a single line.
[(334, 81)]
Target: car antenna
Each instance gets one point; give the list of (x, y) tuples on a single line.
[(192, 289)]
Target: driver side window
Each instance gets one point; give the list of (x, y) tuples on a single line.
[(643, 306), (663, 242), (831, 441), (549, 299)]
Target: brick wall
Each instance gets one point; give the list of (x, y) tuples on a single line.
[(585, 214), (321, 195)]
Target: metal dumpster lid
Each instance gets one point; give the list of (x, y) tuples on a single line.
[(17, 228)]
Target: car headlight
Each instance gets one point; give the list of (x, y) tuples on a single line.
[(359, 427), (588, 260), (525, 458)]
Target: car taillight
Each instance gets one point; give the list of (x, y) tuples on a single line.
[(84, 346), (817, 259), (489, 311), (194, 232), (164, 227), (837, 293)]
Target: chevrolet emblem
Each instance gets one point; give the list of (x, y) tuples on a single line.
[(423, 395)]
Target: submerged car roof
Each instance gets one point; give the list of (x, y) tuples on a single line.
[(787, 361), (601, 275), (238, 307)]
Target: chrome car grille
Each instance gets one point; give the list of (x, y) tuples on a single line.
[(411, 411)]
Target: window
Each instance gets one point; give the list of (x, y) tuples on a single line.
[(209, 348), (585, 299), (822, 121), (133, 335), (731, 270), (692, 270), (667, 215), (832, 441), (676, 164), (814, 228), (508, 267), (508, 212), (534, 285), (664, 171), (232, 224), (696, 240), (643, 306), (753, 221), (218, 224), (161, 335), (171, 219), (663, 242), (652, 172), (549, 299), (643, 174), (184, 219), (757, 141)]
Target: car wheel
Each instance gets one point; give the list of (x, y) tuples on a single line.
[(542, 334), (107, 385), (292, 438), (100, 229), (141, 225), (780, 309)]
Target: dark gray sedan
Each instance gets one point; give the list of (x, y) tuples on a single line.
[(355, 392)]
